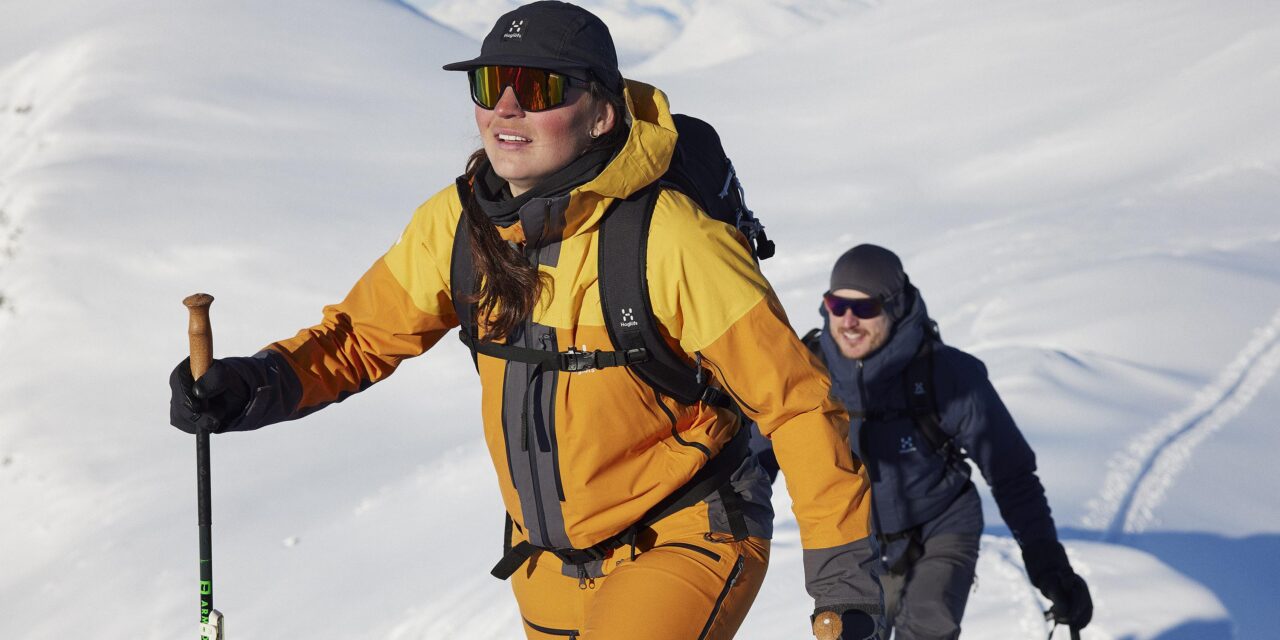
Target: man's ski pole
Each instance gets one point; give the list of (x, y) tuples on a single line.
[(200, 334), (1075, 631)]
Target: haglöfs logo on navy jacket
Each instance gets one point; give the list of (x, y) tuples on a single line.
[(906, 444)]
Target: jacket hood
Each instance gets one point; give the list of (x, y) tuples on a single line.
[(643, 159), (887, 362)]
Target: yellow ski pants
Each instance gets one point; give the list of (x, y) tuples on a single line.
[(684, 584)]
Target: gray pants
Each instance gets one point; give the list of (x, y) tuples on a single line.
[(927, 601)]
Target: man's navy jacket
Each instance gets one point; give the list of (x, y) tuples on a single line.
[(914, 488)]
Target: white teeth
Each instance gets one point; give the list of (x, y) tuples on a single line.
[(510, 138)]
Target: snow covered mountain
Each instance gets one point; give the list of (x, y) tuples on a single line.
[(1086, 193)]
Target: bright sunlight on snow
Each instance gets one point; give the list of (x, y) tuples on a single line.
[(1086, 193)]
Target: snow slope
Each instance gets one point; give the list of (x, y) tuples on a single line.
[(1086, 193), (665, 35)]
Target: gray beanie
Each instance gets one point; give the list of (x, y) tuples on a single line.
[(873, 270), (877, 272)]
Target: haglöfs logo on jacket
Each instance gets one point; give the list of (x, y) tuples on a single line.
[(906, 444), (515, 31)]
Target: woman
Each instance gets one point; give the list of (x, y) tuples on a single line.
[(630, 515)]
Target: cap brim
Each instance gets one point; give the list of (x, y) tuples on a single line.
[(550, 64)]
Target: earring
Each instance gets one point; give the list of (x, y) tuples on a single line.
[(592, 134)]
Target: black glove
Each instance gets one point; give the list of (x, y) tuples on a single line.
[(858, 625), (1051, 573), (212, 403), (1072, 604)]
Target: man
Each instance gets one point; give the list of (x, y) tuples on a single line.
[(918, 408)]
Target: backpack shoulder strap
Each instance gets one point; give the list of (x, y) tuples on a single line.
[(462, 290), (462, 284), (922, 402), (813, 342), (624, 299)]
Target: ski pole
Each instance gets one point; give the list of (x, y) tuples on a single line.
[(200, 334), (1075, 631), (827, 626)]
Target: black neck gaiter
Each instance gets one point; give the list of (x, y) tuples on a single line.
[(495, 198)]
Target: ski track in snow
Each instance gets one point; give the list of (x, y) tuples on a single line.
[(1025, 612), (1140, 476)]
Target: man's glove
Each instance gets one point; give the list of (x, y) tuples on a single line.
[(858, 625), (1051, 573), (211, 403), (1072, 604), (855, 624)]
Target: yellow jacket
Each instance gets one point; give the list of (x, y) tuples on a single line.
[(608, 446)]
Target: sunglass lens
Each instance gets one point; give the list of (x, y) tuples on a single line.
[(864, 308), (535, 89), (486, 86)]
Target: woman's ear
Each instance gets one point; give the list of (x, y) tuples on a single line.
[(606, 118)]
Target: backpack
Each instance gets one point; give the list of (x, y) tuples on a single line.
[(700, 170)]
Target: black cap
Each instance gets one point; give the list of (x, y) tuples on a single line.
[(556, 36)]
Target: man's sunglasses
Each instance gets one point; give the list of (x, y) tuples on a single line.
[(535, 89), (864, 308)]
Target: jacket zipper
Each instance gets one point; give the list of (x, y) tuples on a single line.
[(549, 343), (572, 634), (724, 383), (724, 594), (676, 434), (715, 557)]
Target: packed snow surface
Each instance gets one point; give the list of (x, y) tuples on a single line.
[(1085, 192)]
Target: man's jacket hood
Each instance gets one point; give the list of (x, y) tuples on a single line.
[(884, 365)]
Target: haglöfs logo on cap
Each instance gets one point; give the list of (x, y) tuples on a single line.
[(515, 31)]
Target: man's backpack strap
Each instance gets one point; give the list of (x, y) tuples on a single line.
[(922, 403), (624, 299), (813, 342)]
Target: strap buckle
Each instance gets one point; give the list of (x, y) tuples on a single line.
[(575, 361), (585, 556)]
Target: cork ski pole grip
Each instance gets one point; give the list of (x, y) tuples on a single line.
[(200, 332), (827, 626)]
